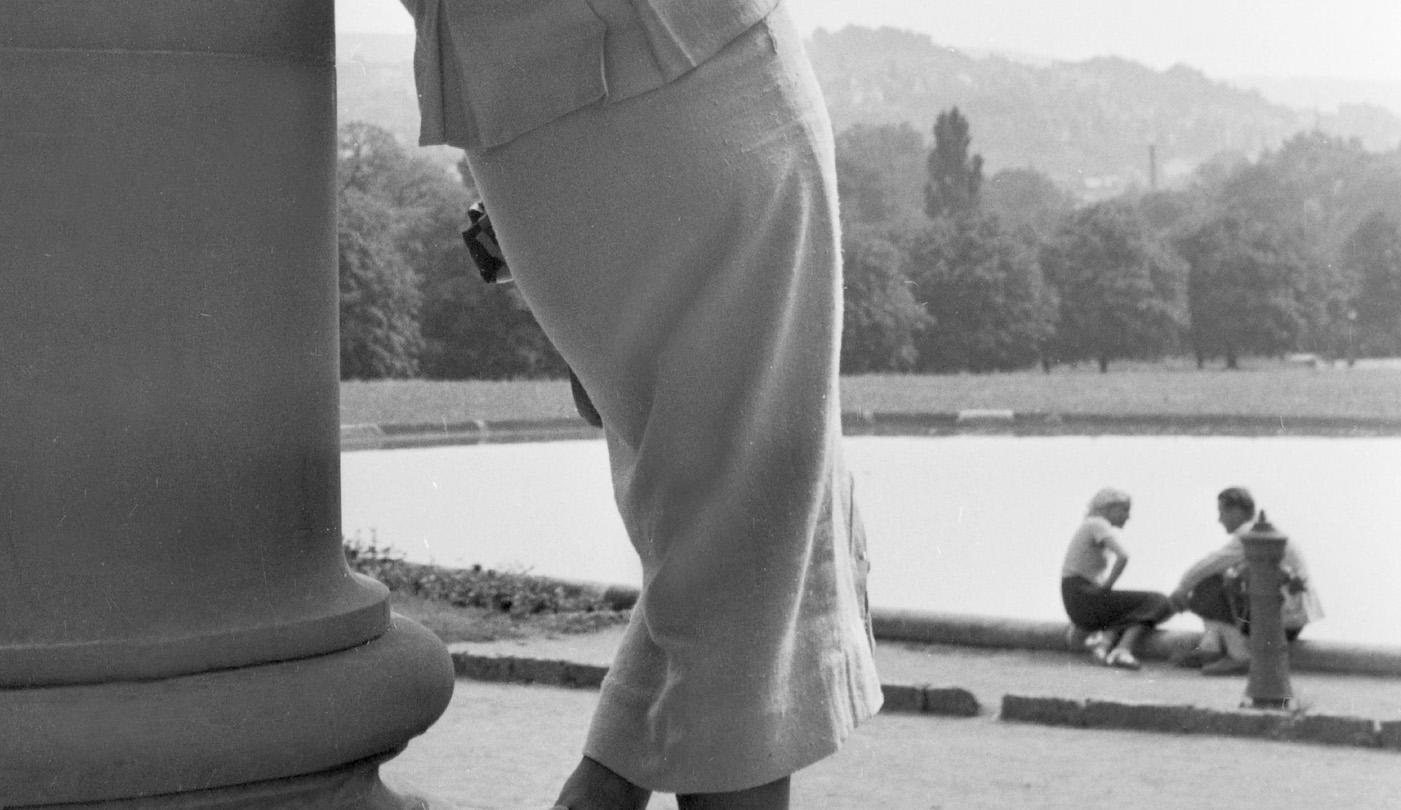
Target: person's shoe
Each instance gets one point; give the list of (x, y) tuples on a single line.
[(1099, 644), (1120, 658), (1227, 666), (1195, 658)]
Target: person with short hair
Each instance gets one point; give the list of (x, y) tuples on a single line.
[(1212, 588), (1094, 561)]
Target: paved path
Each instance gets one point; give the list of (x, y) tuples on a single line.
[(508, 746), (990, 673)]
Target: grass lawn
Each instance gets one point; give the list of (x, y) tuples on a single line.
[(1259, 388)]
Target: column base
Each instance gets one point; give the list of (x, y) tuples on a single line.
[(308, 733), (354, 787)]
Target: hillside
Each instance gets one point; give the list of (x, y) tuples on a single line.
[(1086, 124)]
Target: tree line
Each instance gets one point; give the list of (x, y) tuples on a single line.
[(946, 270)]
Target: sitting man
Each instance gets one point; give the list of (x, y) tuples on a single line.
[(1211, 589)]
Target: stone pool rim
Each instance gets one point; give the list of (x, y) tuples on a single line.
[(991, 421)]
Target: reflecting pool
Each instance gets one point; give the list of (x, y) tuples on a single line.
[(958, 524)]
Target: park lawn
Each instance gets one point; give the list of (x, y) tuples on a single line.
[(1260, 388)]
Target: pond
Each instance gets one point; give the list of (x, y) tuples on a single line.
[(958, 524)]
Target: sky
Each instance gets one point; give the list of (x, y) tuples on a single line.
[(1352, 39)]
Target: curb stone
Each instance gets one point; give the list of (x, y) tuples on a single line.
[(952, 701), (1162, 717), (1390, 734), (1047, 711), (518, 669), (902, 698), (949, 701)]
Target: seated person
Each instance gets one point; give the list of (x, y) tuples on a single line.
[(1212, 588), (1114, 619)]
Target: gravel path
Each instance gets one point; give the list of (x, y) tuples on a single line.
[(507, 746)]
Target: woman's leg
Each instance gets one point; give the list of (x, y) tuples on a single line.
[(1130, 637)]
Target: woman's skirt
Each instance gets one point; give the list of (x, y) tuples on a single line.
[(680, 248), (1092, 608)]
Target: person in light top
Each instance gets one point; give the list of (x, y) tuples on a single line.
[(1213, 589), (1112, 620)]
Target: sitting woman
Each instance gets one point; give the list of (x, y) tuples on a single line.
[(1213, 589), (1114, 620)]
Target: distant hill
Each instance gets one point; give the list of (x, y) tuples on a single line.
[(1086, 124), (1310, 93)]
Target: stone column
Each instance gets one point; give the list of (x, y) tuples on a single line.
[(176, 616)]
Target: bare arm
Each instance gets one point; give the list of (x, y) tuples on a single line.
[(1214, 563), (1121, 561)]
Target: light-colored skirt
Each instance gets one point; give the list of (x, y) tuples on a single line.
[(681, 250)]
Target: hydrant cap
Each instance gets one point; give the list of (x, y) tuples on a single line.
[(1264, 530)]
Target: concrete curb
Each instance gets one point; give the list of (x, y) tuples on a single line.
[(1283, 726), (386, 436), (518, 669), (1305, 655), (1038, 423), (954, 701), (478, 431), (948, 701)]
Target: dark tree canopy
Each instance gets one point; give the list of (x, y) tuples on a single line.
[(1122, 293), (1298, 249), (982, 288), (1245, 289), (881, 321), (1372, 255), (1028, 202), (379, 297), (954, 178), (878, 172), (411, 302)]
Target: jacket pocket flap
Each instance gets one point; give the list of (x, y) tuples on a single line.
[(514, 65)]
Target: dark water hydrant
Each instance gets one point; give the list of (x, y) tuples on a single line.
[(1268, 683)]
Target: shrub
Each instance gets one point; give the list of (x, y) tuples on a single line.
[(516, 593)]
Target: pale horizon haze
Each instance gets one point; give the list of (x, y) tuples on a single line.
[(1344, 39)]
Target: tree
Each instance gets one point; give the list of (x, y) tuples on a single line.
[(1318, 188), (471, 329), (1245, 290), (1373, 256), (411, 299), (982, 289), (1027, 202), (379, 298), (1122, 293), (881, 319), (954, 178), (878, 172)]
